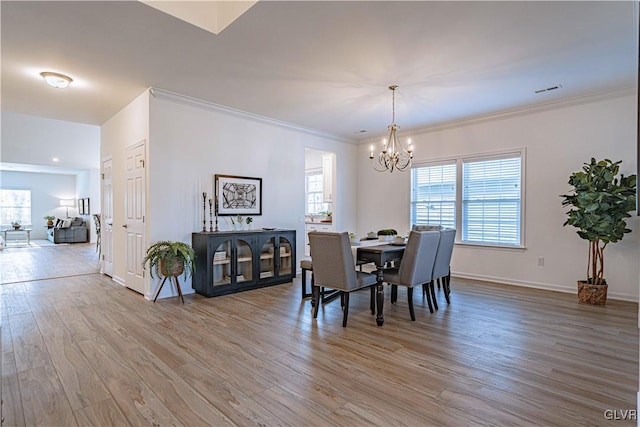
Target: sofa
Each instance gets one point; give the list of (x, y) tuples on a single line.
[(70, 230)]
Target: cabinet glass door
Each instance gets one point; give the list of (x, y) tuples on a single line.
[(267, 265), (222, 264), (245, 261), (285, 256)]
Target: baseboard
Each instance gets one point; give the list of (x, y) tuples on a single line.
[(537, 285), (118, 280)]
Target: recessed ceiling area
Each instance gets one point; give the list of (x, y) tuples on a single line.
[(213, 16), (324, 66)]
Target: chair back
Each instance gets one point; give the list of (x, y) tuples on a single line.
[(445, 250), (426, 227), (332, 259), (418, 258)]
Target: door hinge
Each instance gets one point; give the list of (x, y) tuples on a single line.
[(102, 175)]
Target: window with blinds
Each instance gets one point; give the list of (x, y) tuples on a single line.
[(433, 195), (481, 196), (491, 200)]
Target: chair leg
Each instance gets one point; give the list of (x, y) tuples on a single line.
[(345, 313), (433, 295), (303, 282), (445, 288), (315, 290), (394, 294), (438, 283), (425, 291), (410, 299)]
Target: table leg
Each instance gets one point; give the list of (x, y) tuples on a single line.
[(379, 296)]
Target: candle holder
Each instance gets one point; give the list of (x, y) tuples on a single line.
[(216, 214), (204, 211), (210, 215)]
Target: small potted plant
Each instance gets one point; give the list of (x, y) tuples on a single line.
[(49, 219), (387, 234), (16, 224), (600, 202), (355, 240), (170, 259)]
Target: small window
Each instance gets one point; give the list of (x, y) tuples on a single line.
[(15, 205), (313, 190)]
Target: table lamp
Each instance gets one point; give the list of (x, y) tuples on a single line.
[(67, 203)]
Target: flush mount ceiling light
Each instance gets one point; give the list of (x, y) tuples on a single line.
[(393, 154), (57, 80)]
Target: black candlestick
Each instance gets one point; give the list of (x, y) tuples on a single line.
[(216, 214), (204, 211), (210, 215)]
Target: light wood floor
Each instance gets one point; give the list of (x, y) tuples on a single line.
[(82, 350)]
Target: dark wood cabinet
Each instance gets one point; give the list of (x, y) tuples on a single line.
[(234, 261)]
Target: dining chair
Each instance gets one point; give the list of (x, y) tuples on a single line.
[(427, 227), (416, 267), (334, 268), (442, 265)]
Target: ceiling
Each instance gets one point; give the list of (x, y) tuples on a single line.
[(325, 66)]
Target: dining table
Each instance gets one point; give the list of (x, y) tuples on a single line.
[(383, 255)]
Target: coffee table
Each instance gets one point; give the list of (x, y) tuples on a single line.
[(26, 231)]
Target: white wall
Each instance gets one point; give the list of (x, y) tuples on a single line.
[(191, 143), (46, 192), (558, 142)]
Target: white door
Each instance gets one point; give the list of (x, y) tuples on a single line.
[(134, 217), (106, 226)]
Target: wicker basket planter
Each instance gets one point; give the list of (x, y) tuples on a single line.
[(175, 269), (592, 294)]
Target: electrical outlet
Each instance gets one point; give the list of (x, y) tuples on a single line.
[(540, 261)]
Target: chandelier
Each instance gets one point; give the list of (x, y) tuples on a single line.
[(393, 154)]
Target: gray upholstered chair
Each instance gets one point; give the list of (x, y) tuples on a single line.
[(334, 268), (441, 267), (416, 267)]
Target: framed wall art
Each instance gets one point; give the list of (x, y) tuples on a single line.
[(238, 195), (83, 207)]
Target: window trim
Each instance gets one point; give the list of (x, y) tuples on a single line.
[(489, 155)]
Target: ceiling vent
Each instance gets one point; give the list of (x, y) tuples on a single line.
[(549, 89)]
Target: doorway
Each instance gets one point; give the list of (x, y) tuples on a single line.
[(320, 186)]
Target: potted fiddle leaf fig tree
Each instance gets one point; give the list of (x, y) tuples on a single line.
[(600, 202)]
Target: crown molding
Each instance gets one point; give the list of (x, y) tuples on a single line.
[(513, 112), (210, 106)]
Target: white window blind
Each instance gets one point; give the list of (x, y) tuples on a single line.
[(433, 195), (491, 200)]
